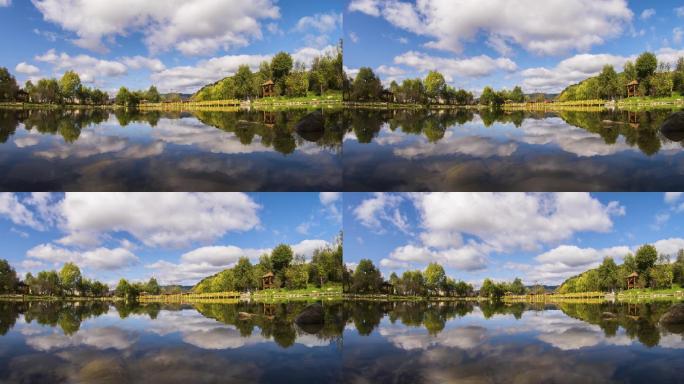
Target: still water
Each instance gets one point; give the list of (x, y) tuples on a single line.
[(464, 150), (97, 150), (510, 343), (44, 342)]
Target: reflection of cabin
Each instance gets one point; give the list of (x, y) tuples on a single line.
[(633, 88), (633, 119), (269, 311), (267, 280), (269, 119), (632, 280), (268, 88), (633, 311)]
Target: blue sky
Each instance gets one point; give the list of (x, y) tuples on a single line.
[(179, 45), (176, 237), (541, 238), (542, 46)]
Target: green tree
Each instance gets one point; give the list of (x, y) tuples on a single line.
[(435, 278), (517, 95), (366, 278), (646, 65), (281, 257), (69, 85), (296, 83), (126, 290), (70, 277), (678, 76), (678, 269), (366, 86), (661, 276), (413, 283), (491, 289), (244, 275), (435, 85), (8, 277), (152, 95), (662, 83), (123, 97), (608, 275), (281, 65), (630, 71), (645, 258), (152, 287), (244, 83), (517, 287), (609, 86), (8, 86)]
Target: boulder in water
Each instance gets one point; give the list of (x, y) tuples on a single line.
[(608, 316), (673, 127), (313, 314), (311, 127), (673, 319)]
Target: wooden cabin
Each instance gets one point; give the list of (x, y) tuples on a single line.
[(268, 280), (268, 89), (632, 280), (633, 89), (22, 96), (387, 288), (388, 96)]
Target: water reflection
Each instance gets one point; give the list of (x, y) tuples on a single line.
[(502, 343), (134, 150), (102, 342), (511, 151)]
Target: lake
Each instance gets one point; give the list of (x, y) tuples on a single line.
[(462, 342), (96, 342), (467, 150), (242, 150)]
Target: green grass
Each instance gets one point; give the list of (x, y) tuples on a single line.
[(650, 291), (328, 288), (330, 96)]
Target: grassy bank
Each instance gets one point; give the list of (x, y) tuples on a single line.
[(331, 291), (52, 106), (54, 298)]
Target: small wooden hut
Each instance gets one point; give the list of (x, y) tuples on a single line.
[(633, 88), (268, 89), (632, 280), (267, 280)]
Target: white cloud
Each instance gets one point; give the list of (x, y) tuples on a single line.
[(647, 14), (470, 257), (569, 71), (669, 55), (159, 219), (306, 55), (679, 11), (320, 22), (171, 24), (544, 31), (99, 258), (672, 197), (382, 207), (669, 246), (5, 3), (138, 62), (477, 66), (27, 69), (332, 202), (17, 212), (354, 37), (89, 68), (389, 70), (205, 261), (188, 79), (369, 7)]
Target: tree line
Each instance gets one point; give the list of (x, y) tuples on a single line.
[(67, 90), (131, 99), (290, 271), (290, 78), (656, 271), (68, 281), (431, 282), (656, 79)]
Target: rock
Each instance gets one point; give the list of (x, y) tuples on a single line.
[(608, 315), (313, 314), (673, 319), (311, 127), (244, 315), (673, 127)]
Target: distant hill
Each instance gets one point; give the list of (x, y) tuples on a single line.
[(542, 96), (547, 288), (184, 96)]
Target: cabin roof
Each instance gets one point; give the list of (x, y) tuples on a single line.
[(633, 82), (270, 274), (634, 274), (269, 82)]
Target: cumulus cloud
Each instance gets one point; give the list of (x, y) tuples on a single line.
[(17, 211), (165, 25), (332, 202), (188, 79), (99, 258), (461, 230), (320, 23), (544, 31), (89, 68), (569, 71), (162, 219), (379, 209), (138, 62), (477, 66), (204, 261), (672, 197), (27, 69), (647, 14)]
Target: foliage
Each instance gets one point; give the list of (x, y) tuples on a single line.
[(8, 277), (366, 278), (8, 85), (69, 84), (645, 258), (70, 277), (435, 86), (366, 86)]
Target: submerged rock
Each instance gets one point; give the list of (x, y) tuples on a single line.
[(313, 314), (311, 127), (673, 319), (673, 127), (608, 315)]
